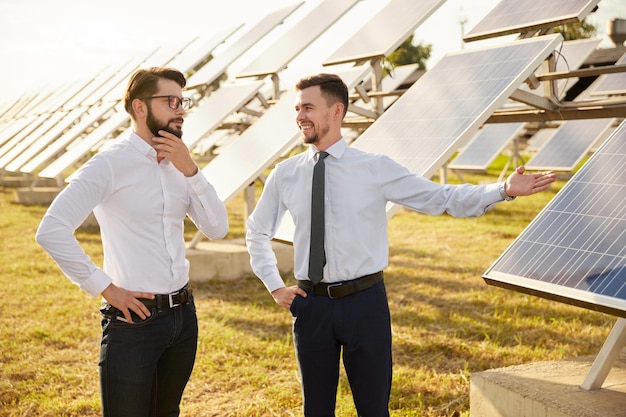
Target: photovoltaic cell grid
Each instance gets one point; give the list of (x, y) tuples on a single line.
[(449, 103), (485, 146), (287, 47), (569, 145), (516, 16), (384, 32), (211, 71), (611, 84), (574, 251), (540, 138)]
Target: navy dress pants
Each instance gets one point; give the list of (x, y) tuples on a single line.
[(358, 327)]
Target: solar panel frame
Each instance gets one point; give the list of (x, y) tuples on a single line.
[(611, 84), (84, 146), (409, 127), (61, 134), (274, 133), (277, 56), (571, 142), (211, 71), (539, 138), (574, 250), (518, 16), (211, 112), (485, 146), (382, 34), (449, 103)]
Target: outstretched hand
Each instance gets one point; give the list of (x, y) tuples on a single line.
[(518, 184)]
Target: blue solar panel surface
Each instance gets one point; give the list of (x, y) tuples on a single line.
[(570, 144), (517, 16), (574, 251), (488, 143)]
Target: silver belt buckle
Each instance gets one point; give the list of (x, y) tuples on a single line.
[(171, 299), (331, 286)]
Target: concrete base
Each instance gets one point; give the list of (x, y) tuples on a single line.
[(548, 389), (229, 259), (36, 195)]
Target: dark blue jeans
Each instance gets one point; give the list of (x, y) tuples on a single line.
[(358, 324), (145, 366)]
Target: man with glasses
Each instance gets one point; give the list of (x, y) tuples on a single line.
[(140, 190)]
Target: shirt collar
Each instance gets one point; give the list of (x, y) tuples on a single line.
[(141, 145), (336, 150)]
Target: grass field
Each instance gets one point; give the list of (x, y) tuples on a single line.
[(447, 323)]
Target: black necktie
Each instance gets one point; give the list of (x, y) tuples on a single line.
[(317, 257)]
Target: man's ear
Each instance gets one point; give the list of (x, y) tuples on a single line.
[(139, 108), (339, 110)]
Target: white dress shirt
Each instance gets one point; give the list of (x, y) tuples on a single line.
[(140, 206), (358, 187)]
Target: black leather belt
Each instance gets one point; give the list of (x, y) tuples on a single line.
[(343, 288), (171, 300)]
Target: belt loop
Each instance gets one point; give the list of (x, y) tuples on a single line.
[(159, 303)]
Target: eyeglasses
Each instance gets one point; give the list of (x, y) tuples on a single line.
[(173, 101)]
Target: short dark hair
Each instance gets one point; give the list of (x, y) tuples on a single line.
[(143, 83), (333, 88)]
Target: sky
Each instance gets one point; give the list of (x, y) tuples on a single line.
[(45, 43)]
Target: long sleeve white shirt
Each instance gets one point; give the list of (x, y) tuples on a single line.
[(358, 187), (140, 206)]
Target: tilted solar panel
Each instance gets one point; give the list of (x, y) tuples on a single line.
[(276, 58), (516, 16), (574, 251), (485, 146), (212, 70), (449, 103), (611, 84), (385, 31), (569, 145)]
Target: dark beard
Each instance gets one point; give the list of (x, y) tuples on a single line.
[(309, 140), (154, 126)]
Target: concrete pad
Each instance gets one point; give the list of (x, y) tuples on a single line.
[(36, 195), (229, 259), (548, 389)]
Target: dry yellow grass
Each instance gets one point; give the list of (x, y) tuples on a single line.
[(447, 323)]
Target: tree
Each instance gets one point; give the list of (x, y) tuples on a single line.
[(581, 30), (407, 53)]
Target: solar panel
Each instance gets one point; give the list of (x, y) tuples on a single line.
[(63, 133), (485, 146), (574, 251), (246, 157), (211, 71), (200, 49), (84, 146), (541, 136), (391, 26), (275, 58), (21, 141), (571, 142), (611, 84), (449, 103), (446, 106), (259, 145), (517, 16), (211, 112)]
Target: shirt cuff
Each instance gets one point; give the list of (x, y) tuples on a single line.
[(97, 282), (274, 282), (503, 194)]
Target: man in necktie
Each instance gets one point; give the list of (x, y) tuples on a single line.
[(346, 314)]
